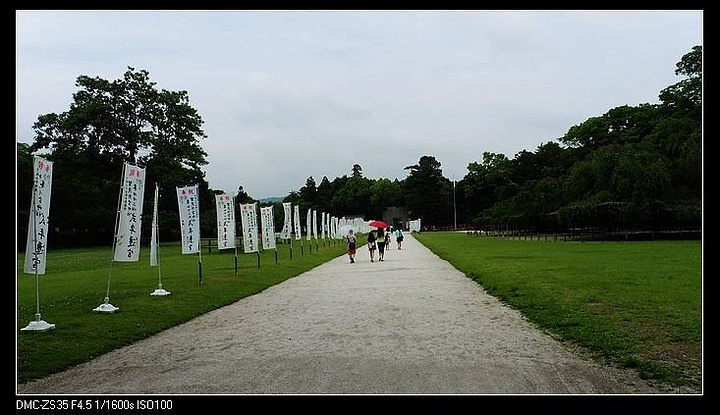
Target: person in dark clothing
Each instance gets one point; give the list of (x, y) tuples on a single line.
[(372, 245)]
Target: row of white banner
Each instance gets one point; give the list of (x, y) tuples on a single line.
[(414, 225), (327, 226), (129, 219), (188, 204)]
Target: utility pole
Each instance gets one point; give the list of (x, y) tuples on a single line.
[(454, 207)]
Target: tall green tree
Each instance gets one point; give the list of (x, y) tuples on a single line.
[(109, 123), (324, 195), (428, 194), (308, 195), (486, 181), (356, 170), (353, 198)]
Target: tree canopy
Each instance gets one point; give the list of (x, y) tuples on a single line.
[(109, 123)]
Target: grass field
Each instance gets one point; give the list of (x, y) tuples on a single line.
[(77, 279), (636, 304)]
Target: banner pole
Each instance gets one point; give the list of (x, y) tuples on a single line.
[(160, 291), (235, 241), (200, 266), (106, 307), (236, 260), (37, 276)]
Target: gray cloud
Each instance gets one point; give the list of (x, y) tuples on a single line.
[(287, 95)]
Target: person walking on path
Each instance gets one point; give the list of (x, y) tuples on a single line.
[(381, 244), (372, 245), (399, 238), (351, 245)]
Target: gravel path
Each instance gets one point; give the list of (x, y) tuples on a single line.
[(412, 324)]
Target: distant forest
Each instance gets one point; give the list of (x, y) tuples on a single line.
[(634, 167)]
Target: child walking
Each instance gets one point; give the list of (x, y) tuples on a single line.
[(351, 245)]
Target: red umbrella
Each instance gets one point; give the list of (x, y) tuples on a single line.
[(378, 224)]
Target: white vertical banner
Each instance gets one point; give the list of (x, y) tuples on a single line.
[(36, 245), (248, 217), (327, 225), (314, 224), (287, 221), (154, 237), (189, 209), (323, 225), (225, 217), (308, 224), (296, 218), (267, 220), (127, 237)]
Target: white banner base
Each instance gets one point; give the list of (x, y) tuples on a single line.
[(106, 307), (160, 291), (38, 325)]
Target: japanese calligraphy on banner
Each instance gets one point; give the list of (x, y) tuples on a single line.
[(267, 219), (225, 221), (287, 221), (36, 245), (248, 217), (326, 223), (308, 224), (189, 209), (314, 224), (154, 237), (296, 218), (322, 225), (127, 238)]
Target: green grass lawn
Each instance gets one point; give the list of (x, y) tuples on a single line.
[(77, 279), (638, 304)]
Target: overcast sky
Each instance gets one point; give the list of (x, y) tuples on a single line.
[(290, 94)]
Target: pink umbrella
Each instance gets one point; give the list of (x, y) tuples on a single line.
[(378, 224)]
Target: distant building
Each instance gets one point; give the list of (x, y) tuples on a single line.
[(396, 216)]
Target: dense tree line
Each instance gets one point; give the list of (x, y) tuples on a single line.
[(635, 166), (422, 191), (632, 166)]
